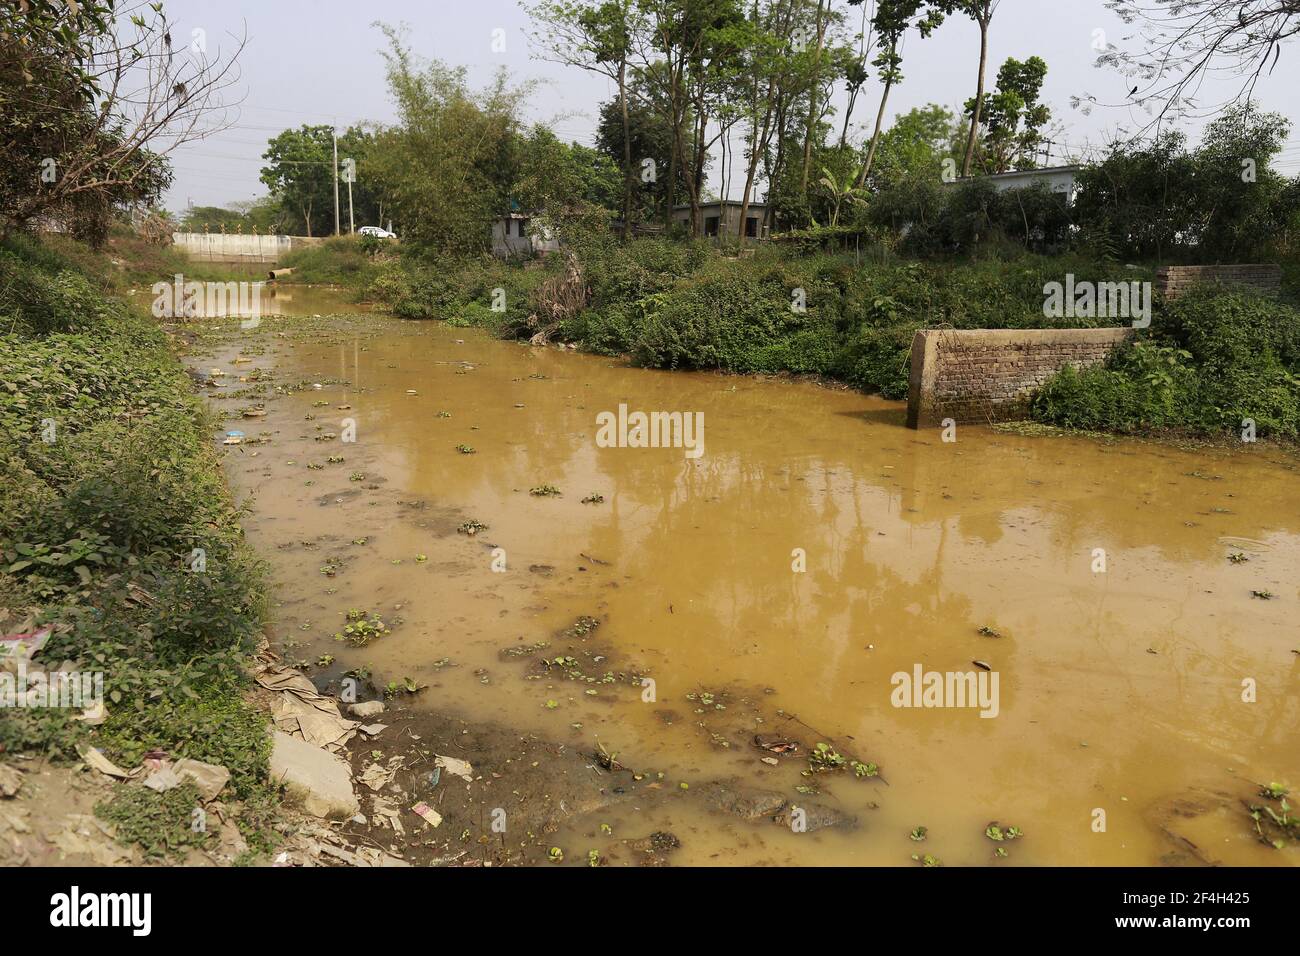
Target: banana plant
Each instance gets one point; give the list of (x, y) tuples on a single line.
[(841, 191)]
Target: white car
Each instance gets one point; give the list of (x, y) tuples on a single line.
[(377, 231)]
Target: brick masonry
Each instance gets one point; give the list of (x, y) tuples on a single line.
[(1173, 281), (988, 375)]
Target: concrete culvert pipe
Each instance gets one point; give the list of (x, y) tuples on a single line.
[(280, 273)]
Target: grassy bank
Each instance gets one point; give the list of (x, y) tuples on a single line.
[(109, 482), (1205, 365)]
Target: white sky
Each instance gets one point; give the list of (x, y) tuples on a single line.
[(317, 61)]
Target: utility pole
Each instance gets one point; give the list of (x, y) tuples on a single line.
[(336, 180), (349, 177)]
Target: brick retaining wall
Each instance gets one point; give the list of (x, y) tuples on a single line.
[(1173, 281), (987, 375)]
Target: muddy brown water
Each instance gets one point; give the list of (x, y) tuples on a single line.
[(1120, 690)]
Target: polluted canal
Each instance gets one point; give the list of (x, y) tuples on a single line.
[(705, 655)]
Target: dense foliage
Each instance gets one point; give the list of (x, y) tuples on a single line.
[(99, 524), (1214, 361), (1220, 202)]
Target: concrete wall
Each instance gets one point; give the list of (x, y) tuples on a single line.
[(988, 375), (233, 247), (728, 216), (1173, 281)]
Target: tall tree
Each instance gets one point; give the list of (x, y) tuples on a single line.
[(94, 96), (1013, 116), (981, 11), (300, 172), (690, 49), (821, 22), (597, 36), (854, 68), (648, 136), (449, 163), (891, 21), (1187, 40), (769, 68)]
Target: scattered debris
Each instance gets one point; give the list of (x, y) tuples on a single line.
[(459, 768), (96, 760), (428, 814), (300, 709), (315, 776), (11, 780)]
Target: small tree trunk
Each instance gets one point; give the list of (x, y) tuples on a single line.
[(811, 123), (979, 99), (628, 179), (875, 137)]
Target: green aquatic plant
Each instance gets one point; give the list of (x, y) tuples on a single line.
[(824, 757), (998, 834), (361, 628)]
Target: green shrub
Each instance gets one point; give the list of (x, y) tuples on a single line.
[(739, 317), (1211, 360), (98, 527), (338, 260), (161, 824)]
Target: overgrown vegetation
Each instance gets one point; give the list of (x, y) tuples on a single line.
[(675, 304), (108, 485), (161, 824), (1217, 360)]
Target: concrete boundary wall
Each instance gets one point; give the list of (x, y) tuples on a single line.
[(988, 375), (1173, 281), (238, 247)]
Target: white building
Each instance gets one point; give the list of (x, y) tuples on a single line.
[(1059, 179), (515, 234)]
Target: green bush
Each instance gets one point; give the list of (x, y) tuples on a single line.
[(1211, 360), (739, 318), (682, 306), (98, 526), (338, 260)]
